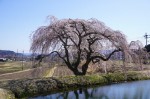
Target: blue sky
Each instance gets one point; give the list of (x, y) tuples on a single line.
[(19, 18)]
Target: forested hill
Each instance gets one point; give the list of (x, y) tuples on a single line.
[(7, 52)]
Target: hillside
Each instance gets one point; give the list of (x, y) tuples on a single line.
[(6, 52), (9, 54)]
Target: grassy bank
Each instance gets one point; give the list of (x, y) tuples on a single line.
[(31, 87), (6, 94)]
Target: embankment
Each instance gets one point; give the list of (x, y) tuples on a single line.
[(6, 94), (30, 87)]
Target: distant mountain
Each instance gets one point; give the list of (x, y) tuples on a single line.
[(28, 54), (8, 53), (14, 56)]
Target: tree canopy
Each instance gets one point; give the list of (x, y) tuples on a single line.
[(78, 42), (147, 47)]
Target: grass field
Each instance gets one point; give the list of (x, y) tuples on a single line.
[(18, 70), (14, 70), (13, 66)]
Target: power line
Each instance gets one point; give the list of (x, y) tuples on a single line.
[(146, 37)]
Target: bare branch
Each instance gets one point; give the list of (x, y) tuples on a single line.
[(103, 58)]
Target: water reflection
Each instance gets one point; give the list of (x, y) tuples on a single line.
[(132, 90)]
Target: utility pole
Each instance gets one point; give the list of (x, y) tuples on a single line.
[(16, 58), (146, 37), (22, 59)]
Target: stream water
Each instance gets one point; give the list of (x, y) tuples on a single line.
[(129, 90)]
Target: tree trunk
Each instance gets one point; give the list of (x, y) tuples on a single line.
[(84, 69), (77, 72), (124, 56)]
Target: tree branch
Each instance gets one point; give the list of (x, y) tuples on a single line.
[(103, 58), (63, 58)]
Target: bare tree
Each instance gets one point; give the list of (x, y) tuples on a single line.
[(78, 42)]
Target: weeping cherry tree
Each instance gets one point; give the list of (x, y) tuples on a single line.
[(78, 42), (138, 53)]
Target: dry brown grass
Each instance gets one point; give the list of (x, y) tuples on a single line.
[(13, 70), (13, 66), (62, 71), (29, 73)]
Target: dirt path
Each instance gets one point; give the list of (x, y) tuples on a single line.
[(30, 73), (50, 72)]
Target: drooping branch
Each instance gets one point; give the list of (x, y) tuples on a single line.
[(105, 58)]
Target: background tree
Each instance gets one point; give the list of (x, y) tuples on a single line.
[(78, 42), (147, 47), (138, 53)]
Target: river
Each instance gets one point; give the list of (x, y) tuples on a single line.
[(128, 90)]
